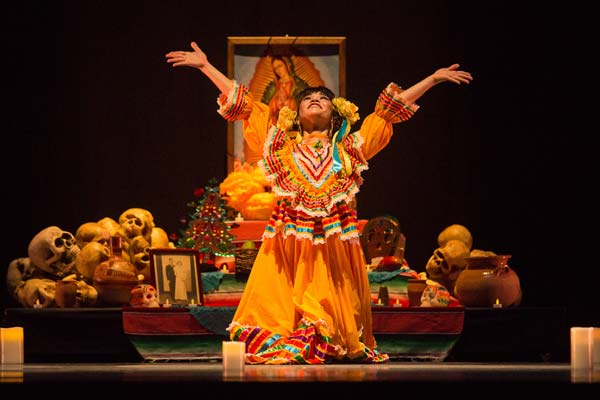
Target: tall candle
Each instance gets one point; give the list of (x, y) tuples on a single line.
[(582, 340), (11, 345), (234, 356), (596, 350)]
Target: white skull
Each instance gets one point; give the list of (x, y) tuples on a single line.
[(139, 254), (455, 232), (19, 270), (87, 295), (92, 232), (72, 292), (54, 250), (159, 238), (90, 256), (136, 222), (36, 291), (447, 263), (482, 253), (110, 225)]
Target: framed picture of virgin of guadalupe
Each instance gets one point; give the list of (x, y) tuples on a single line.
[(276, 69)]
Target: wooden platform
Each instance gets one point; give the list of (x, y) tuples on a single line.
[(523, 334), (197, 333)]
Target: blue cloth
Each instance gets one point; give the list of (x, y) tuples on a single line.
[(211, 281), (379, 277), (215, 319)]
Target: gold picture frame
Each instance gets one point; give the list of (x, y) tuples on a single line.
[(311, 61)]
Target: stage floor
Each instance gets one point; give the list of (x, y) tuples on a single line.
[(342, 378)]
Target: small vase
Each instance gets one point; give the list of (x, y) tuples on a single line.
[(116, 277), (415, 291), (486, 281)]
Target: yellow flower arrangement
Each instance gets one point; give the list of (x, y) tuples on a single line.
[(346, 109), (248, 192)]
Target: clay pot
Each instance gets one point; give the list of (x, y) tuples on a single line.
[(415, 291), (486, 280)]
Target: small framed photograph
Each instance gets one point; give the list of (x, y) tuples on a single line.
[(176, 276)]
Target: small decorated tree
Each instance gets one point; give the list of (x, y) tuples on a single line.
[(205, 228)]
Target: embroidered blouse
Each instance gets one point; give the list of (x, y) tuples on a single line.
[(313, 198)]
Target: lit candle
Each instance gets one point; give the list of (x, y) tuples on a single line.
[(497, 304), (37, 304), (234, 356), (193, 303), (11, 345), (582, 340), (167, 304), (397, 303), (225, 268)]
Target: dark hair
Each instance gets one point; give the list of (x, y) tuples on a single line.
[(315, 89), (336, 117)]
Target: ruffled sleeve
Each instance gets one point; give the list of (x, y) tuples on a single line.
[(377, 127), (239, 104)]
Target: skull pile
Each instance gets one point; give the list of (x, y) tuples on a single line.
[(55, 254)]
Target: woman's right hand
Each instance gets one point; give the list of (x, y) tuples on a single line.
[(196, 58)]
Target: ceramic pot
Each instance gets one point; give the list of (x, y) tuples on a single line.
[(487, 280)]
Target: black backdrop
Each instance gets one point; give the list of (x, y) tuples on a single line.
[(97, 122)]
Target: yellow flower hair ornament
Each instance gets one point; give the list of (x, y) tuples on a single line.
[(346, 109)]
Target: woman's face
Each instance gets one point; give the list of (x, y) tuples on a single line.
[(315, 107)]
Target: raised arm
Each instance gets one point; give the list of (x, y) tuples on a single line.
[(450, 74), (197, 59)]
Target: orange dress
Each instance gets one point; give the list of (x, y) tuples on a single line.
[(307, 298)]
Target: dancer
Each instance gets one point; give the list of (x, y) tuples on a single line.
[(307, 299)]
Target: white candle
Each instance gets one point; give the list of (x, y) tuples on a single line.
[(596, 350), (11, 345), (234, 356), (582, 340)]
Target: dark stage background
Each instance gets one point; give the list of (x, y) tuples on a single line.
[(98, 122)]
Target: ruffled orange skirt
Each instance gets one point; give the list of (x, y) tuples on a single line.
[(307, 304)]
